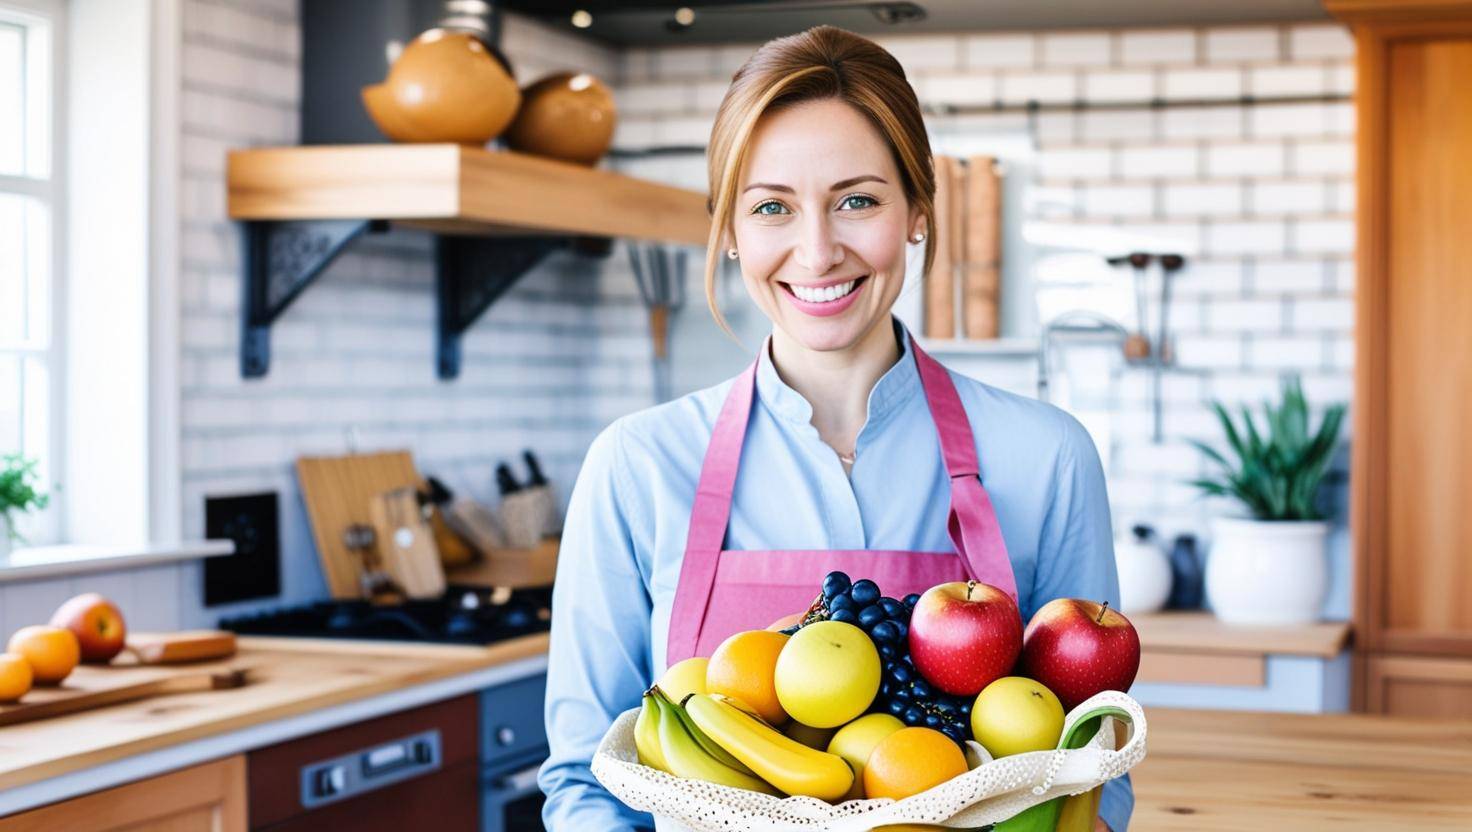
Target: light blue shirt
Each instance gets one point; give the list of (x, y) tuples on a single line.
[(624, 537)]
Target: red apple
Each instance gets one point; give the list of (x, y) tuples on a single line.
[(1079, 648), (964, 636), (97, 624)]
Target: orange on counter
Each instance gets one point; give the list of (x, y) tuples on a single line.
[(911, 760), (15, 676), (744, 666), (51, 651)]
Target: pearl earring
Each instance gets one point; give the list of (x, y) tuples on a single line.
[(730, 254), (919, 238)]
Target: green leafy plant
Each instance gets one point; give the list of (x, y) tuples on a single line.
[(1277, 477), (18, 490)]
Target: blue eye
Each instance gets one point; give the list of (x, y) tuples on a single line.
[(869, 201), (769, 204)]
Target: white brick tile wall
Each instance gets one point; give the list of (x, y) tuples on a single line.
[(924, 52), (1121, 85), (1254, 159), (1104, 125), (1159, 161), (1202, 84), (1119, 200), (1079, 163), (1209, 351), (1319, 158), (1289, 196), (1248, 43), (1246, 238), (1211, 277), (1042, 87), (1203, 199), (957, 88), (1289, 276), (1322, 314), (1268, 120), (1323, 236), (980, 51), (1245, 316), (1324, 40), (1287, 80), (1166, 46), (1077, 49), (1286, 352), (1202, 122)]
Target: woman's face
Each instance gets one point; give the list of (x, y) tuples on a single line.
[(821, 222)]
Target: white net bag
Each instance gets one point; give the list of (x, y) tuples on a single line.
[(992, 791)]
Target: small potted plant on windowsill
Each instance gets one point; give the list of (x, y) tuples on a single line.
[(1271, 568), (18, 494)]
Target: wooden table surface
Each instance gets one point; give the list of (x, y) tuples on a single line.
[(1220, 770), (288, 677)]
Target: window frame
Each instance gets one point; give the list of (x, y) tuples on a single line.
[(44, 23)]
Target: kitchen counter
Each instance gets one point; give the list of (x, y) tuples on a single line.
[(1209, 770), (298, 687)]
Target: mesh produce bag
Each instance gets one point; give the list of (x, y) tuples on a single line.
[(992, 791)]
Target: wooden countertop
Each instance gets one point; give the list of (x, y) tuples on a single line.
[(289, 677), (1202, 632), (1216, 770)]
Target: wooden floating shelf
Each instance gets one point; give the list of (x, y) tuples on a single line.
[(452, 189), (494, 214)]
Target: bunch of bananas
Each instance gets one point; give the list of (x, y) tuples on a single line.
[(707, 737)]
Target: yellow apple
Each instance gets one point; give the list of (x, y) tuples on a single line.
[(827, 674), (854, 741), (684, 678), (1014, 714)]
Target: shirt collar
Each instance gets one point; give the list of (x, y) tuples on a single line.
[(897, 385)]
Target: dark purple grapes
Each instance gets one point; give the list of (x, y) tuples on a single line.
[(895, 707), (892, 608), (840, 602), (921, 688), (870, 615), (911, 600), (836, 583), (903, 674), (885, 632), (888, 651), (864, 592), (845, 615), (914, 715)]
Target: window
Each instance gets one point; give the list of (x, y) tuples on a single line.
[(30, 355)]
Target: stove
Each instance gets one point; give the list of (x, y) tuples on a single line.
[(463, 615)]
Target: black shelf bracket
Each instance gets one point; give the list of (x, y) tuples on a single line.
[(281, 259)]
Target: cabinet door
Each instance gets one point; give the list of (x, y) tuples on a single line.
[(1413, 452), (205, 798), (1407, 686)]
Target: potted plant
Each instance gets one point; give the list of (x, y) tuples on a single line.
[(1271, 568), (17, 494)]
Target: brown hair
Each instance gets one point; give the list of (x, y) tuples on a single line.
[(824, 62)]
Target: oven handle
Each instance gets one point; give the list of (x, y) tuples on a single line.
[(518, 783)]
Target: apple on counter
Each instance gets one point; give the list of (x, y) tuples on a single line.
[(96, 622), (964, 636), (1078, 648)]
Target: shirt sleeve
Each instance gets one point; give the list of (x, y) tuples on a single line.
[(598, 662), (1076, 560)]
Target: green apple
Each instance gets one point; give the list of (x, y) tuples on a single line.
[(827, 674), (856, 740), (1014, 714)]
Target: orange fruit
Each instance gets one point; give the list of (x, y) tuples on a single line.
[(743, 667), (51, 651), (911, 760), (15, 676)]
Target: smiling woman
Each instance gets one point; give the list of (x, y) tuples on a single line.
[(842, 446)]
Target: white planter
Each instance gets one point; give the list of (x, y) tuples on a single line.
[(1144, 574), (1266, 572)]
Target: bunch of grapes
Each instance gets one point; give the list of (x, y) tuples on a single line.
[(902, 690)]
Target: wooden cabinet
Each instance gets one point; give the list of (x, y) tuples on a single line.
[(204, 798), (1412, 482)]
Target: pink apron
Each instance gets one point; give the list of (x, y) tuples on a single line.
[(722, 592)]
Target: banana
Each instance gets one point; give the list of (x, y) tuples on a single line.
[(711, 747), (687, 759), (780, 760), (646, 734)]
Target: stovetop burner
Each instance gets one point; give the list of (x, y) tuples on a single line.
[(463, 615)]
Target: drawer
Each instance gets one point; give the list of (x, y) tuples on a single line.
[(511, 719)]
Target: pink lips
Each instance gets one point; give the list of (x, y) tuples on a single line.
[(825, 309)]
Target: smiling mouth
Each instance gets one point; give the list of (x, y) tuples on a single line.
[(827, 294)]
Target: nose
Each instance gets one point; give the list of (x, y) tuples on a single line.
[(818, 250)]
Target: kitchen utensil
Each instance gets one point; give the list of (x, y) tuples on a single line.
[(173, 648), (94, 687), (454, 549), (1187, 575), (567, 115), (1144, 571), (477, 524), (406, 543), (336, 490), (662, 288), (537, 481), (522, 511), (444, 87)]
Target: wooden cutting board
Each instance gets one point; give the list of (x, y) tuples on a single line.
[(406, 543), (176, 648), (338, 491), (96, 686)]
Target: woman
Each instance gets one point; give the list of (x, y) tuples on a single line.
[(842, 447)]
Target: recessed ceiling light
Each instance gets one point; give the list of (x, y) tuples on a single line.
[(684, 15), (582, 19)]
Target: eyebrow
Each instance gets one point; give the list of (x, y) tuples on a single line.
[(868, 177)]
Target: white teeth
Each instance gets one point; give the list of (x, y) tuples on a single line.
[(824, 295)]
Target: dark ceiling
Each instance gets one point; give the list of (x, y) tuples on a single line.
[(650, 22)]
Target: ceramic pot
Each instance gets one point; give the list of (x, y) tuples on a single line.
[(567, 116), (444, 87), (1144, 571), (1267, 572)]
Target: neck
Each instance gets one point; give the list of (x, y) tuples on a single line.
[(837, 382)]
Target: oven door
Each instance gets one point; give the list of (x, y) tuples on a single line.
[(511, 801)]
